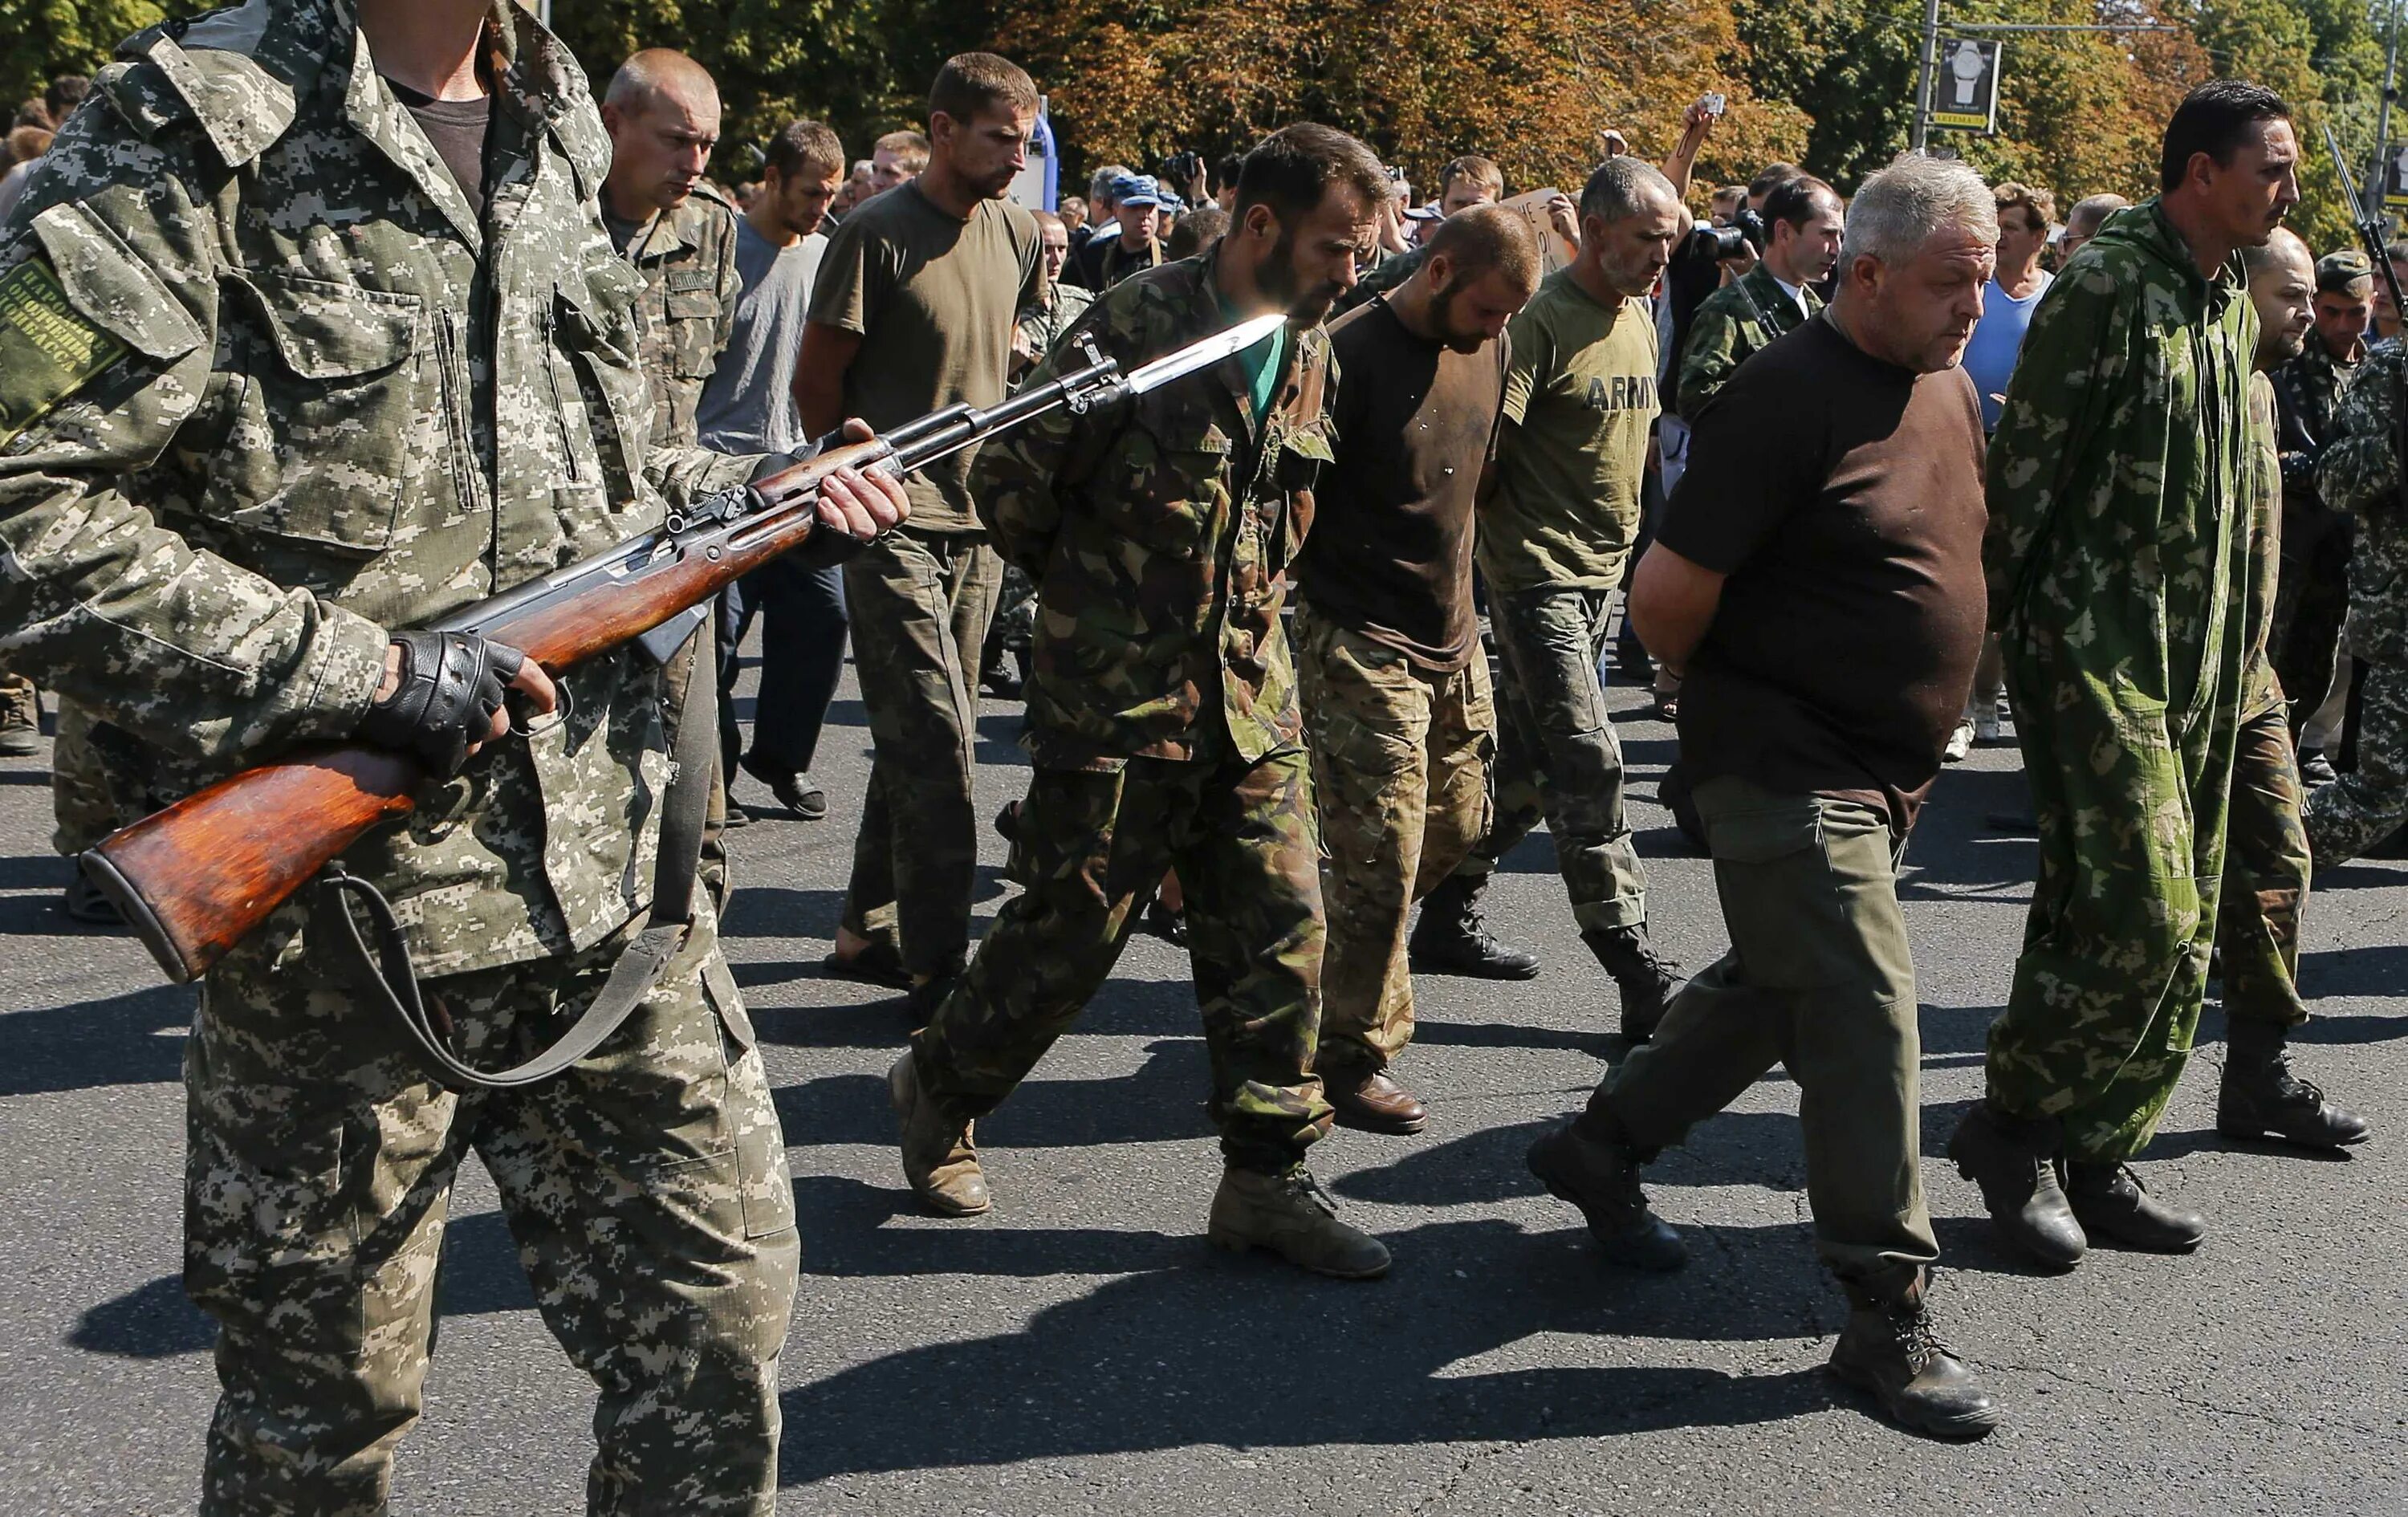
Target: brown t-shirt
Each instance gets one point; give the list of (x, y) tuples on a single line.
[(1390, 551), (1842, 496), (934, 299)]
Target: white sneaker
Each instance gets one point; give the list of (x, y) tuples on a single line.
[(1960, 742)]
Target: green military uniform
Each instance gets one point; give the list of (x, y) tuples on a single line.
[(1014, 630), (2312, 601), (2265, 862), (1162, 719), (2118, 563), (2359, 473), (687, 310), (277, 386), (1389, 273), (1733, 325), (687, 256)]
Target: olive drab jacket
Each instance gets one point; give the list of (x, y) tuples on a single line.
[(687, 257), (271, 387), (1157, 531)]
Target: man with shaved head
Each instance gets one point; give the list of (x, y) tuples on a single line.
[(2265, 860)]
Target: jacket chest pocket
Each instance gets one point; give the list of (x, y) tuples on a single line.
[(347, 398), (1303, 453), (1176, 484), (595, 341), (690, 303)]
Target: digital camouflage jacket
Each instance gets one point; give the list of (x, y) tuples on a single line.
[(271, 387), (687, 256), (1158, 533), (2359, 473)]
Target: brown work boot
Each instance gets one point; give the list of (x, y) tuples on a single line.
[(940, 1159), (1291, 1215), (20, 719), (1890, 1348), (1369, 1101)]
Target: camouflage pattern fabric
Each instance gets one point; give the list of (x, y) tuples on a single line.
[(84, 802), (2266, 859), (1015, 628), (292, 391), (1092, 847), (920, 605), (687, 257), (2359, 473), (212, 566), (1157, 535), (1400, 771), (1041, 326), (1731, 326), (318, 1173), (1557, 752), (2312, 603), (2120, 493)]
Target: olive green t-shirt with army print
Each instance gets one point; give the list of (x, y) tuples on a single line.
[(1580, 400)]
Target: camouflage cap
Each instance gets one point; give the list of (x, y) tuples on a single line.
[(2337, 272)]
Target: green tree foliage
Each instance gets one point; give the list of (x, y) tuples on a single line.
[(46, 39)]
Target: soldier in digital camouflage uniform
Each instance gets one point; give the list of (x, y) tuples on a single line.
[(1162, 709), (273, 385), (2360, 474), (2266, 862), (662, 112), (2312, 599), (2118, 564)]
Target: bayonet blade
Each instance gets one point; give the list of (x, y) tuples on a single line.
[(1204, 354)]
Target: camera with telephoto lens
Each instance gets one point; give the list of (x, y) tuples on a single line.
[(1745, 232)]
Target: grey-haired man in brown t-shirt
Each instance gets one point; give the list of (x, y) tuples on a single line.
[(1817, 579)]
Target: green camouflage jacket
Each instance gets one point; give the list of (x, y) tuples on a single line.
[(1731, 326), (270, 387), (2118, 478), (1158, 534), (687, 256), (2306, 390), (2260, 692), (1043, 326), (2359, 473)]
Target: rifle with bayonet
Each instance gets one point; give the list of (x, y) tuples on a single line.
[(197, 878)]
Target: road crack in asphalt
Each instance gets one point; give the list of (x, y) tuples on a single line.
[(2195, 1403)]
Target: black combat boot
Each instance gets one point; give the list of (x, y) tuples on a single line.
[(1589, 1161), (2113, 1203), (1645, 978), (1890, 1348), (1451, 938), (2261, 1098), (2014, 1162)]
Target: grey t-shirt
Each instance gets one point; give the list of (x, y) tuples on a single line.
[(748, 403)]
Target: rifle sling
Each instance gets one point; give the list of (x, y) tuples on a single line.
[(386, 978)]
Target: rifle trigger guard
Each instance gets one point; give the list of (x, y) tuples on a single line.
[(559, 717)]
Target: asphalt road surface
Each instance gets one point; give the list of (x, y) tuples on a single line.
[(1082, 1350)]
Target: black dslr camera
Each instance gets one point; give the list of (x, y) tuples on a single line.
[(1745, 231)]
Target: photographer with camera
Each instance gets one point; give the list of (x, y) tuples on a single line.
[(1802, 218)]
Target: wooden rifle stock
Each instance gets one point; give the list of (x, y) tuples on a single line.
[(197, 879)]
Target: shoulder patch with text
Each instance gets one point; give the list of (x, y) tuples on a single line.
[(48, 350)]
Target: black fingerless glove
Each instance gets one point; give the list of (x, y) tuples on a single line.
[(452, 684)]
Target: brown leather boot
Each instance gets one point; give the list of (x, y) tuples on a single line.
[(939, 1160), (21, 718), (1369, 1101), (1291, 1215)]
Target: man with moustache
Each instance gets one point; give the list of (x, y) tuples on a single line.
[(2118, 567), (1394, 681), (2266, 853), (917, 297), (1818, 581), (1162, 709), (1580, 401)]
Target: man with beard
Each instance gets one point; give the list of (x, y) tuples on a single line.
[(2265, 861), (917, 297), (1580, 401), (1818, 579), (1162, 709), (1396, 683), (748, 406), (2118, 567)]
